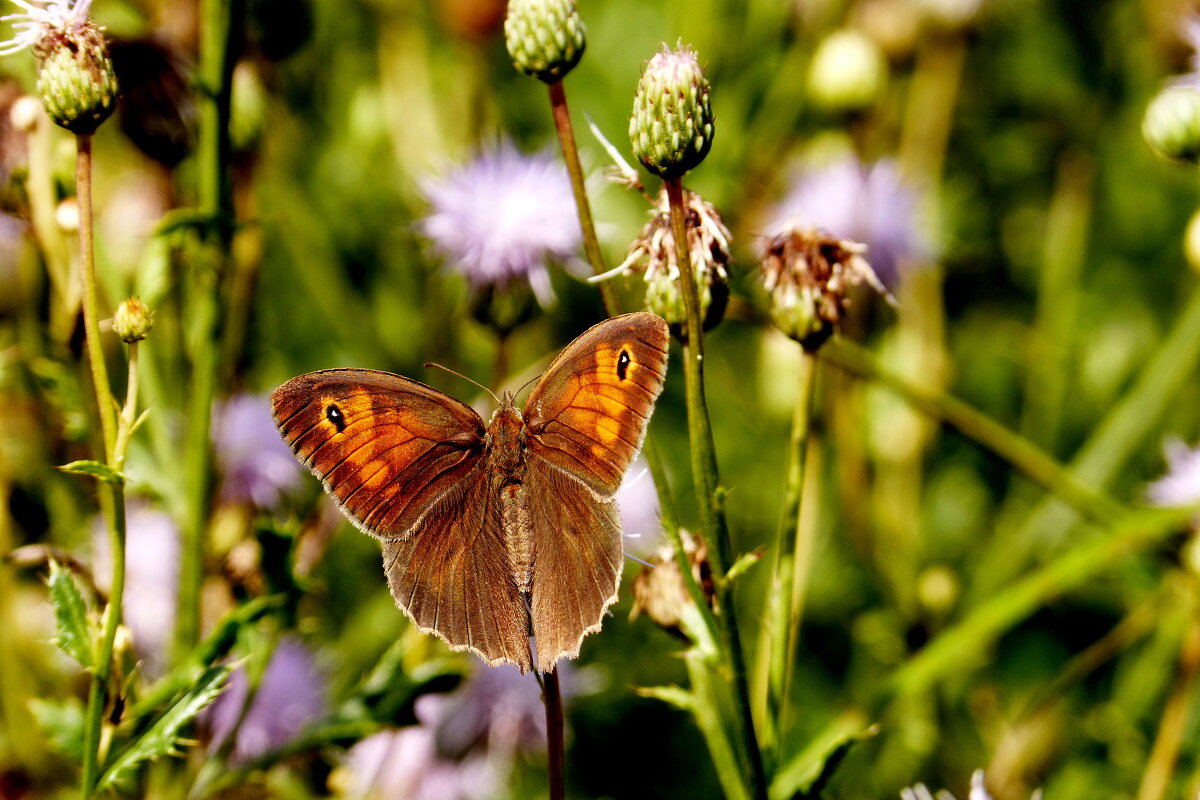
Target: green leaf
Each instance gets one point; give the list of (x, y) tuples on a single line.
[(811, 767), (101, 472), (744, 562), (163, 737), (673, 695), (74, 631), (62, 723)]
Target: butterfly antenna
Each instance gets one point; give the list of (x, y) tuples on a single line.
[(431, 364)]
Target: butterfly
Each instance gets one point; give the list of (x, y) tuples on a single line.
[(490, 531)]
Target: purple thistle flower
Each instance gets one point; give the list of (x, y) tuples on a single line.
[(290, 696), (151, 580), (255, 464), (637, 501), (502, 218), (1180, 486), (462, 747), (871, 205)]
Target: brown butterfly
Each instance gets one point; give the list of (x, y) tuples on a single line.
[(492, 531)]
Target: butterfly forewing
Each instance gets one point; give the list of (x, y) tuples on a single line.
[(588, 413), (385, 447)]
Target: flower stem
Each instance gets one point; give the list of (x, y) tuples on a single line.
[(710, 493), (552, 699), (1171, 727), (112, 495), (788, 568), (591, 244)]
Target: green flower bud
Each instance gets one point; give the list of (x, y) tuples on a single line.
[(672, 123), (664, 296), (847, 73), (1172, 123), (77, 83), (545, 38), (132, 320)]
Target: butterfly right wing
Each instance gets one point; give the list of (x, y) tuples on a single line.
[(405, 463)]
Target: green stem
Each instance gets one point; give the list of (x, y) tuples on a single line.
[(112, 496), (91, 322), (789, 569), (219, 21), (591, 244), (966, 644), (552, 699), (1018, 451), (711, 495), (1172, 726)]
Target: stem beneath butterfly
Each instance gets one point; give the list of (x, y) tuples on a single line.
[(552, 699), (710, 492)]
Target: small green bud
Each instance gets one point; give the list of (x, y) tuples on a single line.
[(545, 38), (132, 320), (847, 73), (672, 123), (1171, 125), (76, 82)]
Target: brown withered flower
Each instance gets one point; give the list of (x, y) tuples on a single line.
[(808, 274), (659, 591)]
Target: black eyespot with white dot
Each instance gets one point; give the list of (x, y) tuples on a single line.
[(623, 362), (334, 415)]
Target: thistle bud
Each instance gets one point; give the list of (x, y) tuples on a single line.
[(672, 123), (132, 320), (545, 38), (847, 73), (808, 275), (1171, 125), (76, 82)]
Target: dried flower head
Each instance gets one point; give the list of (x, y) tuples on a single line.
[(808, 274), (708, 248), (545, 38), (672, 122), (871, 204), (502, 218), (76, 80), (978, 791), (659, 591)]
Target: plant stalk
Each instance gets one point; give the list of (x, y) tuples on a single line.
[(710, 494), (552, 699)]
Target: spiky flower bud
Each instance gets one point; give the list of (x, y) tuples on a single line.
[(132, 320), (76, 82), (672, 123), (1172, 123), (847, 72), (808, 275), (708, 249), (545, 38)]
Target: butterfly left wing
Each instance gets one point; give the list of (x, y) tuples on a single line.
[(385, 447)]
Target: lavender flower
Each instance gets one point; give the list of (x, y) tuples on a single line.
[(637, 501), (151, 575), (290, 696), (255, 464), (871, 205), (462, 747), (502, 218), (1181, 485), (40, 17)]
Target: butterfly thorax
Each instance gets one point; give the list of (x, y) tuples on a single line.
[(506, 472)]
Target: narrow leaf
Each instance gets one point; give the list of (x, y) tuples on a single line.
[(673, 695), (744, 562), (101, 472), (811, 767), (163, 737), (74, 632)]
